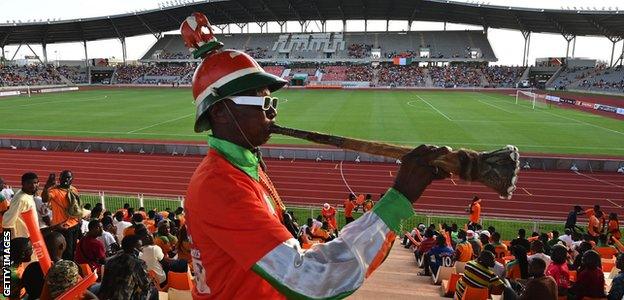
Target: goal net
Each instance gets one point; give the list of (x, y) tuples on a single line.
[(534, 100)]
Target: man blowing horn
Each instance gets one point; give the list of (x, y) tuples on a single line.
[(243, 246)]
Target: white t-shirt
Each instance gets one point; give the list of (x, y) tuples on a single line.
[(12, 218), (121, 226), (499, 269), (43, 209), (543, 256), (152, 255), (567, 240), (108, 239)]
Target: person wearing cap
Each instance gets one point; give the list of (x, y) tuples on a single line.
[(471, 237), (474, 210), (230, 198), (329, 214)]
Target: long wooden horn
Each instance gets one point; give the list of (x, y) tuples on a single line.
[(496, 169)]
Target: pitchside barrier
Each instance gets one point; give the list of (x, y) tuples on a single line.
[(552, 162), (40, 89), (302, 211)]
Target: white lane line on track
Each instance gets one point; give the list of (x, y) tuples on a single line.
[(619, 206), (599, 180), (441, 113), (527, 192), (160, 123)]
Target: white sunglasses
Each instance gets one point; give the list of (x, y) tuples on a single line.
[(265, 102)]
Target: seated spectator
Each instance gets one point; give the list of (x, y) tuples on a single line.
[(151, 222), (613, 227), (539, 286), (32, 278), (61, 277), (90, 250), (537, 247), (111, 245), (499, 248), (484, 237), (20, 254), (164, 239), (126, 275), (436, 257), (567, 238), (121, 225), (479, 275), (157, 261), (590, 281), (617, 285), (183, 248), (463, 249), (471, 237), (554, 240), (499, 269), (428, 242), (136, 220), (518, 268), (521, 240), (558, 268), (578, 259)]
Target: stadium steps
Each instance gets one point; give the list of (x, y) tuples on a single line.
[(484, 79), (555, 76), (595, 73), (428, 80), (397, 278)]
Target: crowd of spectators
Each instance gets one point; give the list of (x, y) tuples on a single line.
[(176, 55), (142, 250), (395, 75), (359, 50), (573, 264), (258, 53), (610, 80), (28, 75), (130, 73), (501, 76), (360, 73), (455, 76), (74, 74)]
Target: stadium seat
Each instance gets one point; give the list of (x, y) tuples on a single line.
[(152, 276), (444, 273), (175, 294), (604, 252), (448, 286), (607, 265), (79, 289), (473, 293), (413, 241), (179, 281), (614, 272)]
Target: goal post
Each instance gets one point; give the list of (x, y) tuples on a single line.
[(535, 100)]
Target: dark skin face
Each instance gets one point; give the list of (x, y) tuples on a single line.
[(254, 122), (30, 187)]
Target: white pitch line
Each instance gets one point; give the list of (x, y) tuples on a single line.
[(599, 180), (496, 106), (423, 100), (583, 122), (160, 123), (54, 102)]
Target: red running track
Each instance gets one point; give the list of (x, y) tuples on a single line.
[(540, 194)]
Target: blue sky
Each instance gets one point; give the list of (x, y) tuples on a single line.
[(507, 44)]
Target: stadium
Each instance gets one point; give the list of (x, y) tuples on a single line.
[(124, 128)]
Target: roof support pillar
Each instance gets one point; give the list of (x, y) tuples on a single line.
[(568, 38), (84, 43), (527, 44), (344, 26), (262, 24), (365, 25), (281, 25), (242, 26), (409, 25), (16, 50), (323, 26), (622, 55), (574, 47), (222, 27), (387, 25), (2, 53), (45, 53), (123, 49), (444, 26), (34, 53), (614, 40)]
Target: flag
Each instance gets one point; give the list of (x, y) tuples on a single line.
[(402, 61)]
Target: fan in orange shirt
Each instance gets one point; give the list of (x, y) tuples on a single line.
[(614, 226), (349, 205), (594, 228), (329, 214), (475, 211)]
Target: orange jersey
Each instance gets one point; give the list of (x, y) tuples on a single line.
[(59, 204), (500, 250), (224, 247), (464, 249), (475, 214), (349, 206), (614, 229), (359, 200), (593, 227), (329, 213)]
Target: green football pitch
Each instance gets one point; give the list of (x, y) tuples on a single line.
[(455, 118)]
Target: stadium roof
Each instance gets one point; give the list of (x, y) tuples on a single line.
[(608, 23)]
